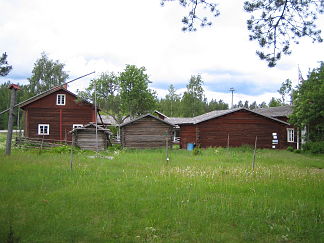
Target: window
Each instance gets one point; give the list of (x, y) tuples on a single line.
[(77, 126), (60, 99), (43, 129), (290, 135)]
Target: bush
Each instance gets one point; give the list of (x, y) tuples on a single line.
[(197, 150), (314, 147), (290, 149)]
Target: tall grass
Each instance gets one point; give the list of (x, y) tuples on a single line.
[(138, 197)]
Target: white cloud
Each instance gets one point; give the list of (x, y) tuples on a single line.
[(105, 35)]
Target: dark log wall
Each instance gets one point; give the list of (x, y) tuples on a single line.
[(187, 135), (242, 128), (146, 133), (60, 117)]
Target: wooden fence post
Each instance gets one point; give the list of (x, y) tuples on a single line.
[(255, 145), (13, 89)]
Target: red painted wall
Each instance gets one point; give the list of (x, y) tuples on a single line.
[(60, 117)]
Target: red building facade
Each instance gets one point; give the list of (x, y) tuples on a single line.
[(53, 114)]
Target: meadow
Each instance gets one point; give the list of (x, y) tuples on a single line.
[(136, 196)]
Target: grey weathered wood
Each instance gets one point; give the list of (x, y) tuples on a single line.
[(11, 120), (147, 132)]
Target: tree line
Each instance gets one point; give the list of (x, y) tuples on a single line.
[(128, 94)]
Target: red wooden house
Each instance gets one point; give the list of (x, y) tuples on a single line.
[(234, 127), (54, 113)]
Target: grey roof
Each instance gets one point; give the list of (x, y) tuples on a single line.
[(275, 111), (160, 113), (164, 121), (91, 125), (212, 115), (108, 119)]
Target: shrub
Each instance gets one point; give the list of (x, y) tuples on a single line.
[(290, 149), (314, 147), (61, 149), (197, 150), (297, 151)]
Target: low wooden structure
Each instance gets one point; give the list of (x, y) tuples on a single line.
[(234, 128), (85, 137), (146, 131)]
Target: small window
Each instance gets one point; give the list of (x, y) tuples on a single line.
[(43, 129), (60, 99), (290, 135), (77, 126)]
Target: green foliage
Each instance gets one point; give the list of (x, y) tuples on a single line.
[(217, 105), (5, 101), (137, 98), (171, 104), (275, 24), (285, 90), (194, 100), (290, 149), (5, 68), (314, 147), (46, 74), (274, 102), (61, 149), (197, 150), (107, 88), (190, 21), (308, 105)]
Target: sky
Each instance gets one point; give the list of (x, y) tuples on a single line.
[(104, 36)]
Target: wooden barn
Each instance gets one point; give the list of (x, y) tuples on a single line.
[(85, 137), (53, 114), (234, 127), (146, 131)]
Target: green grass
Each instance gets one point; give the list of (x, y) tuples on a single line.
[(137, 197)]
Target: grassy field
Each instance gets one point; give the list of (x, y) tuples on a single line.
[(138, 197)]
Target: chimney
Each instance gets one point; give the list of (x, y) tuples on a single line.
[(65, 85)]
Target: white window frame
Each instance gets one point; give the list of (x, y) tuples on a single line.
[(59, 100), (290, 135), (41, 129), (77, 126)]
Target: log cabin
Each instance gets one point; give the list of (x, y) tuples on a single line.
[(235, 127), (85, 137), (53, 114), (147, 131)]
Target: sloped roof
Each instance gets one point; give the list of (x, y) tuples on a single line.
[(275, 111), (146, 115), (108, 119), (214, 114), (46, 93), (160, 113), (91, 125)]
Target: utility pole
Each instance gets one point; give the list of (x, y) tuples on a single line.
[(13, 88), (232, 90)]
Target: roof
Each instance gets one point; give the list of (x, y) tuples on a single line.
[(91, 125), (215, 114), (276, 111), (14, 86), (146, 115), (46, 93), (108, 119), (160, 113)]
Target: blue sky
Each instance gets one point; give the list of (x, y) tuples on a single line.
[(104, 36)]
